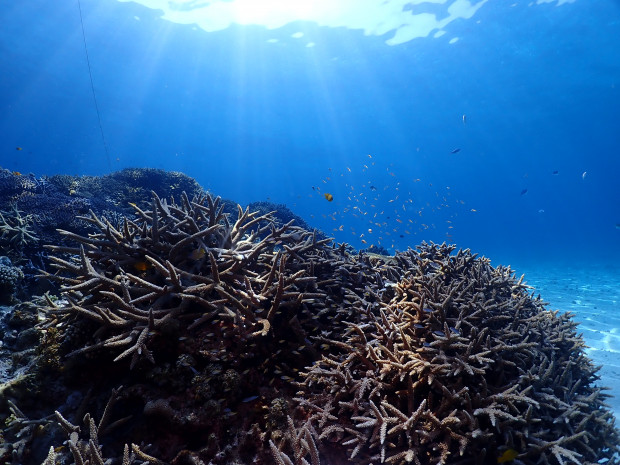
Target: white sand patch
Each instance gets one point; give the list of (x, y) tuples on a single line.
[(593, 295)]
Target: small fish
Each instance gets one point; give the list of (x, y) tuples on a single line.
[(142, 265), (456, 150), (555, 172), (541, 211), (464, 119), (508, 456), (583, 176), (373, 188), (17, 173), (249, 399), (524, 191), (197, 254), (18, 148), (329, 197)]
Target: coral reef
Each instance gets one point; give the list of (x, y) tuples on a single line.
[(128, 185), (184, 264), (33, 208), (15, 231), (199, 334), (460, 364), (47, 203), (9, 277)]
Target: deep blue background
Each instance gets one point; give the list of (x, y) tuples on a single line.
[(253, 120)]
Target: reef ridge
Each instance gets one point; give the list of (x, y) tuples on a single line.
[(165, 325)]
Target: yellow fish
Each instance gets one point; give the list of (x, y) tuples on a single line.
[(197, 254), (329, 197), (508, 456)]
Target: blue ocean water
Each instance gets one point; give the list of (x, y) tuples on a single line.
[(494, 125)]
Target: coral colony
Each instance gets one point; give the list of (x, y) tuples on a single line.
[(183, 333)]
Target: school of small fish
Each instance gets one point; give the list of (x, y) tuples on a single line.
[(384, 209)]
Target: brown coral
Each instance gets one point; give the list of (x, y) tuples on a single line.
[(461, 363), (428, 357), (184, 263)]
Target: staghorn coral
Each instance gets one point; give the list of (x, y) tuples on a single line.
[(242, 299), (425, 357), (54, 202), (460, 363), (15, 231), (182, 264), (89, 451)]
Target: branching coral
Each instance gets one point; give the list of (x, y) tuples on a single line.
[(15, 230), (427, 357), (241, 297), (184, 263), (88, 451), (459, 364)]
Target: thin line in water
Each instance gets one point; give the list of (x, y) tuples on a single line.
[(92, 87)]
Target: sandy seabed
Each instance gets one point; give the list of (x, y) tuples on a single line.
[(592, 293)]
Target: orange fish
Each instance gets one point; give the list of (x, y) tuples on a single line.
[(142, 266), (17, 173), (329, 197)]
